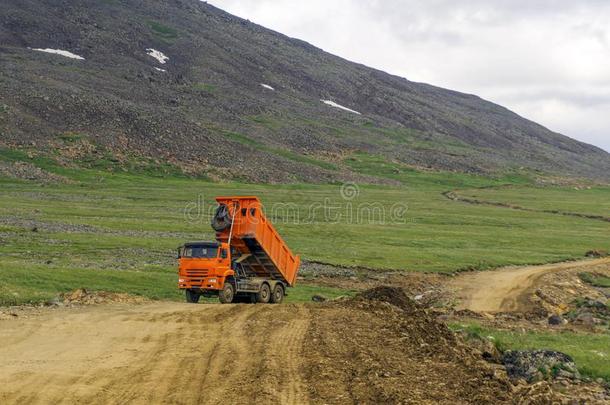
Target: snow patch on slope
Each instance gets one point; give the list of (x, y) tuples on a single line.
[(67, 54), (161, 70), (158, 55), (267, 86), (333, 104)]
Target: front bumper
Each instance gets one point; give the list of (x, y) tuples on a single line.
[(207, 283)]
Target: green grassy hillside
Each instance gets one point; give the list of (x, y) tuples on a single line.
[(119, 231)]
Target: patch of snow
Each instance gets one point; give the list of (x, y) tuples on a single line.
[(333, 104), (267, 86), (59, 52), (158, 55), (161, 70)]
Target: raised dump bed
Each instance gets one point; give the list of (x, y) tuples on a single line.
[(253, 234)]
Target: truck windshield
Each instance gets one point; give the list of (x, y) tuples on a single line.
[(200, 252)]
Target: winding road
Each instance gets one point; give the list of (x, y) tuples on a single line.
[(507, 289)]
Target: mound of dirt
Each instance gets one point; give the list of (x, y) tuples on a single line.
[(425, 288), (85, 297), (392, 295), (27, 171), (381, 347)]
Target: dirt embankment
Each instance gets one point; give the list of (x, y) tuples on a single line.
[(383, 348)]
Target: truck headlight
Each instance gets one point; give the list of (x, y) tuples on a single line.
[(181, 280), (212, 280)]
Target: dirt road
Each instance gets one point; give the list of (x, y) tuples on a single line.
[(380, 347), (507, 289), (351, 352), (152, 353)]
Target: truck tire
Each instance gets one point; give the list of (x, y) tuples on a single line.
[(227, 294), (221, 219), (278, 294), (264, 294), (192, 297)]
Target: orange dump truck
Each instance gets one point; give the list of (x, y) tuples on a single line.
[(248, 260)]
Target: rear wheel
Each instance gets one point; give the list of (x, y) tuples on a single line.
[(227, 294), (264, 294), (192, 297), (278, 294)]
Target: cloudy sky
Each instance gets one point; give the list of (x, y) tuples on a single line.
[(548, 60)]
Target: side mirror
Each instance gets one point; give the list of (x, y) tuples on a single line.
[(223, 254), (178, 254)]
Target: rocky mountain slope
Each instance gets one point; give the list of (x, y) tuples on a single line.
[(181, 83)]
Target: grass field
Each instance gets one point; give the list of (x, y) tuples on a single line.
[(596, 280), (21, 284), (119, 231), (589, 351), (592, 200)]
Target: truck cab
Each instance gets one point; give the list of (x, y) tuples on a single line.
[(203, 266)]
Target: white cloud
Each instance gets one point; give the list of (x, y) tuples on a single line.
[(548, 60)]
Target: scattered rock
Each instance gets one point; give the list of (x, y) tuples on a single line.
[(596, 253), (55, 302), (82, 296), (555, 320), (587, 319), (594, 304), (487, 348), (537, 365), (8, 315), (466, 313), (318, 298), (313, 270)]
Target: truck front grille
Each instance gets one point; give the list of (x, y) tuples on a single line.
[(196, 276)]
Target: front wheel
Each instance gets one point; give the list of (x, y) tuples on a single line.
[(227, 294), (192, 297), (278, 294)]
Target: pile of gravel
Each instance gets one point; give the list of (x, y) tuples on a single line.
[(538, 365)]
